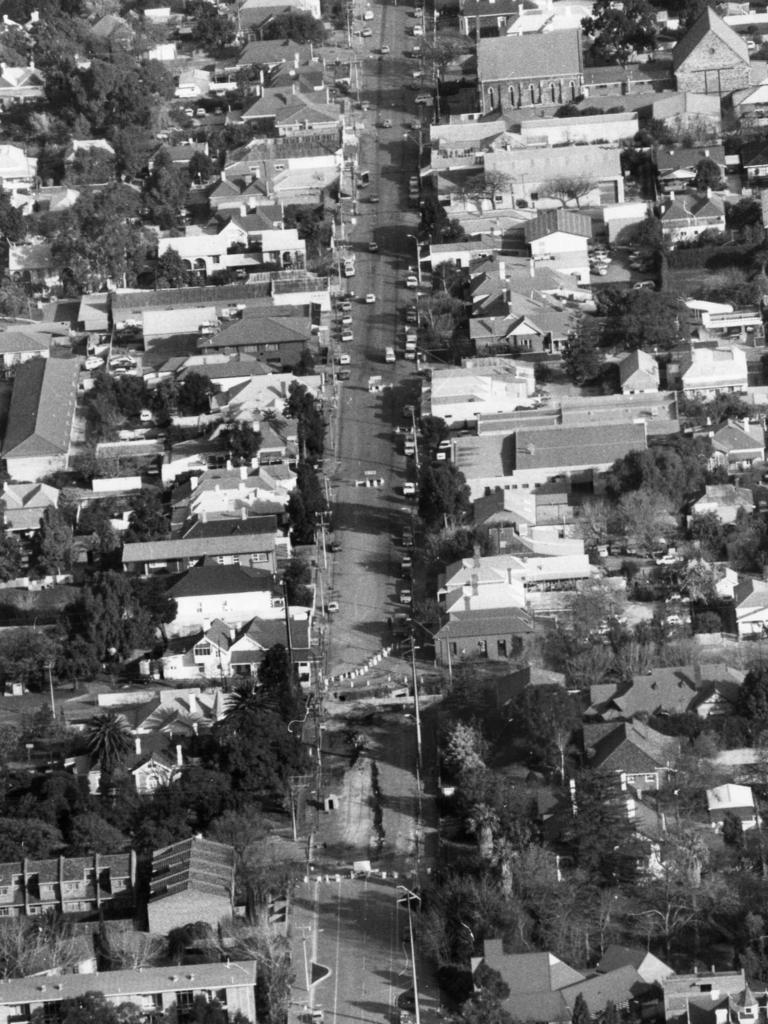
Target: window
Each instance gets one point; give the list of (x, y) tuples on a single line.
[(259, 556), (202, 650), (271, 348), (216, 259), (279, 167), (649, 778), (501, 648), (482, 646), (454, 647)]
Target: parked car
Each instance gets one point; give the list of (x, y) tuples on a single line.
[(411, 281), (373, 198), (385, 50), (345, 359), (370, 298), (347, 337), (93, 363), (366, 33), (373, 247)]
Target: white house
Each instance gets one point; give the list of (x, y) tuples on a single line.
[(460, 395), (706, 370), (559, 237), (231, 593), (17, 170), (750, 598), (732, 800)]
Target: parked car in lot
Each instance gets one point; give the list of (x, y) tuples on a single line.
[(373, 198), (386, 123), (385, 50), (417, 30), (370, 298), (343, 374), (409, 489), (405, 596), (345, 359), (366, 33), (423, 99), (347, 337), (411, 281), (93, 363)]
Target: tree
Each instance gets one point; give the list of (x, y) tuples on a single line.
[(707, 174), (54, 543), (12, 227), (581, 358), (244, 443), (488, 185), (708, 535), (568, 189), (646, 517), (443, 494), (600, 833), (648, 320), (580, 1013), (752, 701), (619, 33), (171, 271), (14, 301), (549, 717), (148, 520), (166, 192), (90, 833), (464, 748), (212, 30), (109, 740), (593, 519), (29, 837), (297, 576), (298, 26), (485, 1008), (10, 557), (697, 580), (200, 167)]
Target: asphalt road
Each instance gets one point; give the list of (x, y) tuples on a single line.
[(369, 520), (356, 928)]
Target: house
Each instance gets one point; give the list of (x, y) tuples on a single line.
[(687, 216), (40, 417), (529, 70), (20, 84), (239, 195), (241, 539), (194, 84), (31, 261), (87, 146), (709, 996), (260, 396), (579, 131), (559, 237), (718, 689), (738, 444), (155, 989), (17, 170), (677, 166), (503, 580), (715, 321), (639, 754), (233, 246), (293, 169), (704, 371), (218, 651), (649, 967), (192, 880), (113, 31), (732, 801), (535, 982), (750, 599), (663, 690), (23, 505), (534, 324), (22, 342), (168, 323), (711, 58), (725, 501), (226, 492), (232, 593), (288, 111), (638, 373), (495, 634), (276, 340), (92, 885), (751, 105)]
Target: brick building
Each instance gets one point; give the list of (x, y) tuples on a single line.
[(544, 70), (68, 885), (711, 58)]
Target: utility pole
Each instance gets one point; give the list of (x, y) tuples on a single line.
[(416, 705), (409, 895)]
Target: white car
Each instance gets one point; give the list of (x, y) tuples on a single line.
[(409, 488), (332, 606), (405, 596), (411, 281), (370, 298), (639, 285), (373, 247), (345, 359), (346, 320), (347, 337), (93, 363), (366, 33), (418, 30)]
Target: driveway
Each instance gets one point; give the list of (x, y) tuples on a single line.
[(369, 520)]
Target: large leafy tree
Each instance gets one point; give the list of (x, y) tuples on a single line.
[(443, 494), (550, 716), (600, 832), (621, 32)]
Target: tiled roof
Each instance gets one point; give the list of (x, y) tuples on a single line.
[(631, 747), (709, 21), (530, 56), (548, 221), (641, 363), (552, 447), (486, 622), (260, 330), (221, 579), (193, 865), (194, 547), (42, 408), (617, 987), (733, 437)]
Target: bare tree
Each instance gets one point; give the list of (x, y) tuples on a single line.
[(128, 950), (568, 189), (488, 185), (32, 945)]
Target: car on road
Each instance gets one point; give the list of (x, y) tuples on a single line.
[(370, 298), (411, 281), (385, 50), (345, 307), (332, 606), (599, 269), (344, 374), (347, 337), (409, 489), (417, 30), (407, 538), (416, 51), (423, 99), (406, 564), (373, 247), (366, 33), (365, 105), (335, 546), (411, 315), (345, 359), (418, 12), (405, 596), (639, 285), (201, 112), (386, 123), (373, 198)]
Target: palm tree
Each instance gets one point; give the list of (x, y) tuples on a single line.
[(245, 702), (109, 740)]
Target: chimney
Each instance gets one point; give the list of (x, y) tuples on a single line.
[(672, 196), (243, 512), (745, 424), (193, 482), (531, 267), (204, 516), (206, 625), (243, 472), (222, 175), (229, 464), (192, 698), (179, 756), (706, 153), (502, 270), (296, 59), (232, 634), (137, 745), (709, 192)]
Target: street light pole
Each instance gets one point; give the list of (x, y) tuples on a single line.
[(418, 252), (408, 897), (416, 703)]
